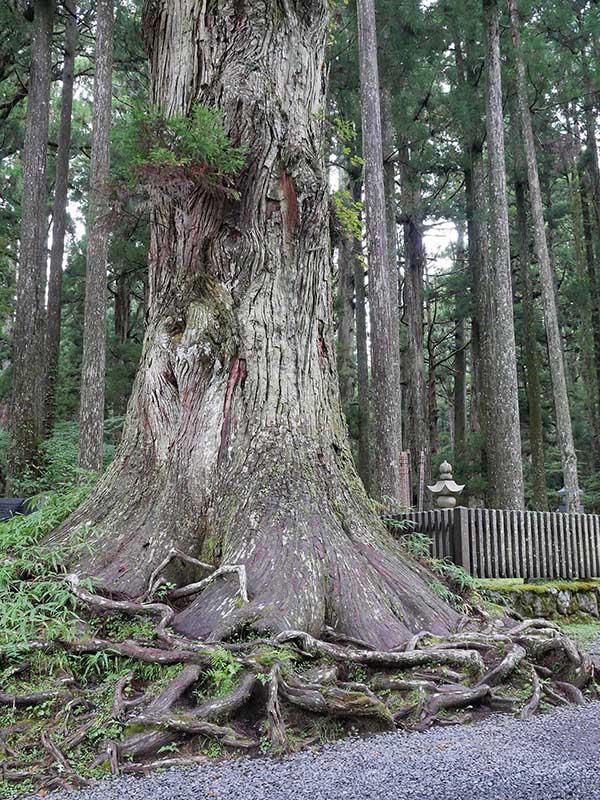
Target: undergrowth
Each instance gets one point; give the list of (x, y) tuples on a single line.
[(35, 600)]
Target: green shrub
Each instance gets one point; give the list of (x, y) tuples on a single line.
[(35, 600)]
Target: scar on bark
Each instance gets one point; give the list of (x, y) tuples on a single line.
[(237, 375), (290, 202)]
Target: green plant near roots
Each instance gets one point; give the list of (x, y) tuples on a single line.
[(454, 573), (121, 628), (35, 600), (417, 544), (221, 678)]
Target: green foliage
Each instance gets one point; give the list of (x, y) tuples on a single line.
[(148, 139), (59, 450), (348, 214), (454, 574), (35, 600), (221, 678), (417, 544)]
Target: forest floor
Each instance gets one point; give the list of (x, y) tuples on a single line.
[(554, 756)]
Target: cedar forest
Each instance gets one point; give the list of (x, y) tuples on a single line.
[(246, 262)]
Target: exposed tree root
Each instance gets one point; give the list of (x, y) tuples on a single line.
[(258, 694)]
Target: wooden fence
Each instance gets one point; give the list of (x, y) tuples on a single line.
[(489, 543)]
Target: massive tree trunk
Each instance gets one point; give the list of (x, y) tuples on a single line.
[(93, 362), (386, 403), (555, 346), (498, 353), (235, 448), (28, 367), (59, 221)]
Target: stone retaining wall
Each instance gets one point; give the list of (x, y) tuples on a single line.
[(551, 602)]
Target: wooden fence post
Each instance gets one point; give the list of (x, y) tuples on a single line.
[(460, 538)]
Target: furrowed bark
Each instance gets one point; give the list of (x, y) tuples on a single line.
[(460, 358), (386, 404), (555, 346), (362, 357), (530, 345), (59, 220), (93, 362), (27, 400), (235, 451), (345, 322), (417, 399), (498, 352)]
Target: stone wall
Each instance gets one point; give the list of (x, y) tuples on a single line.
[(551, 602)]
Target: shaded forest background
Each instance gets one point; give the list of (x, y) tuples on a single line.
[(431, 59)]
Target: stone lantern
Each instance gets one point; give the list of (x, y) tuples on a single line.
[(562, 493), (445, 491)]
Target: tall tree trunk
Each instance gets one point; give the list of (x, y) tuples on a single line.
[(386, 403), (433, 441), (555, 345), (235, 447), (467, 70), (459, 426), (532, 356), (590, 259), (416, 379), (344, 316), (590, 137), (27, 417), (59, 221), (590, 365), (93, 366), (389, 177), (362, 355), (498, 353), (345, 324)]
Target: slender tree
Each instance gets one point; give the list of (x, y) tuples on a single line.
[(344, 306), (415, 260), (553, 335), (530, 344), (473, 139), (386, 404), (59, 220), (91, 411), (362, 354), (460, 357), (235, 447), (28, 363), (498, 353)]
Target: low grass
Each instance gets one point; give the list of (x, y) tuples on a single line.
[(519, 585), (586, 634)]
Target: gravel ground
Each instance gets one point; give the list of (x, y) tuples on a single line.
[(552, 757)]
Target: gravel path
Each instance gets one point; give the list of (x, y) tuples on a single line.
[(552, 757)]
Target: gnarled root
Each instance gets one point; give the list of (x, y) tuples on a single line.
[(226, 694)]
